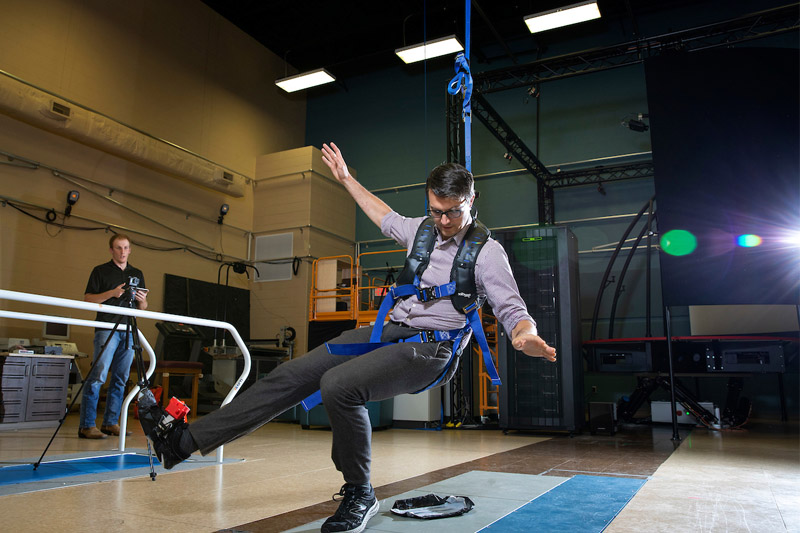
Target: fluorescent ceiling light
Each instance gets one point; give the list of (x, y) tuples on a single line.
[(563, 16), (429, 49), (305, 80)]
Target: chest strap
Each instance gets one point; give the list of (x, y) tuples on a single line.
[(427, 294)]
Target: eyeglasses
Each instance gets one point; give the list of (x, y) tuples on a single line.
[(450, 213)]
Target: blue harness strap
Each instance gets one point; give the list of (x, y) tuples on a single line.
[(312, 401), (454, 335), (474, 321), (425, 294), (423, 336)]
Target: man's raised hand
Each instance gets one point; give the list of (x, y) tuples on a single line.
[(332, 156)]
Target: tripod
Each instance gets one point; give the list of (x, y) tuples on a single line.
[(131, 339)]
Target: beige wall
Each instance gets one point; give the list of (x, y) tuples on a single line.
[(296, 193), (175, 70)]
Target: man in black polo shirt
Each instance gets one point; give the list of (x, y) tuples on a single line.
[(108, 285)]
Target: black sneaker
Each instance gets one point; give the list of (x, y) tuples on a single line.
[(359, 504), (165, 436), (166, 445)]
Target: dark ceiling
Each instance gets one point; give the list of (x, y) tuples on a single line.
[(357, 36)]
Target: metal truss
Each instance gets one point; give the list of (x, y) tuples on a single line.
[(483, 111), (603, 174), (746, 28)]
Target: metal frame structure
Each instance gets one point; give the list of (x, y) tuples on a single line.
[(757, 25)]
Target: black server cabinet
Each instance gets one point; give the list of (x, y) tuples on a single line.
[(537, 394)]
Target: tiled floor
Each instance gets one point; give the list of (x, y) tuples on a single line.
[(731, 481)]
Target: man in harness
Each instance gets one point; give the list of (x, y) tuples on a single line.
[(345, 376)]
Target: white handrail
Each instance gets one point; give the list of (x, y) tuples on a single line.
[(77, 304)]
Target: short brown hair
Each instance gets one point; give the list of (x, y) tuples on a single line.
[(450, 180), (117, 237)]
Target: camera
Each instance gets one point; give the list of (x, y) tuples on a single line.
[(133, 286)]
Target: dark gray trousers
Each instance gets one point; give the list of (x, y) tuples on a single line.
[(346, 382)]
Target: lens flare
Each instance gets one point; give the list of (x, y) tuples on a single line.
[(678, 242), (748, 241)]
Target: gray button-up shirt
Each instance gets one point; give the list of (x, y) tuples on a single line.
[(493, 278)]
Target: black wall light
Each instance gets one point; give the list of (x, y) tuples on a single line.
[(72, 199), (223, 210)]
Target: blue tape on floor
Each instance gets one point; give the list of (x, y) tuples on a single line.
[(12, 475), (580, 504)]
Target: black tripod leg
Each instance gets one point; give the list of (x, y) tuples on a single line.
[(77, 394), (144, 381)]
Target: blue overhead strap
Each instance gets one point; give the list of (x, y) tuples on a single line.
[(462, 83)]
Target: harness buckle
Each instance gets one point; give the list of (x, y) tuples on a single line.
[(427, 335), (427, 294)]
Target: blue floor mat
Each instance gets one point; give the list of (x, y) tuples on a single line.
[(11, 475), (580, 504)]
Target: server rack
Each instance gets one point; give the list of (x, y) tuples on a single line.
[(537, 394)]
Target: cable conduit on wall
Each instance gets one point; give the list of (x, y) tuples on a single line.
[(61, 116), (23, 162)]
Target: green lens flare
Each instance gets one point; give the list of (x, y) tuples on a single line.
[(678, 242)]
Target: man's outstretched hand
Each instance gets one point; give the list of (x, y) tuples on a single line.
[(534, 346)]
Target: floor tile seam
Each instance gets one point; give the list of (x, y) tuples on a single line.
[(607, 474), (78, 483), (555, 467), (465, 448), (776, 496)]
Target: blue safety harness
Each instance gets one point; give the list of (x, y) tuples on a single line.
[(461, 290)]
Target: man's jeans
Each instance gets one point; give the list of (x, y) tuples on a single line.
[(116, 359)]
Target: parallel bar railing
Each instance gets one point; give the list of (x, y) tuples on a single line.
[(76, 304)]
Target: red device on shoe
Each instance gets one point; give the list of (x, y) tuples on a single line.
[(177, 409)]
